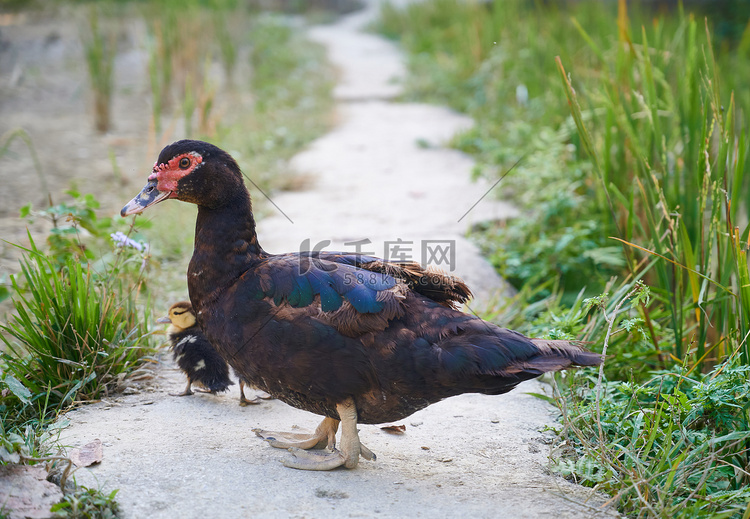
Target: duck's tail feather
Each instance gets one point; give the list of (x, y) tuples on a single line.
[(568, 353)]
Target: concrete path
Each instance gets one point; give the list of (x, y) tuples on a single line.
[(382, 175)]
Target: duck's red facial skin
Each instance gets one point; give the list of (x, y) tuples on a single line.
[(167, 175), (162, 182)]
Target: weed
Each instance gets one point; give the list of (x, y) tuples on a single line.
[(674, 191), (100, 50), (74, 333), (222, 18), (68, 219), (87, 503), (674, 445), (292, 102), (19, 133)]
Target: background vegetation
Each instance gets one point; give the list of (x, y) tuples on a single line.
[(630, 127)]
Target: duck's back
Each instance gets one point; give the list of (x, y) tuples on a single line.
[(312, 359)]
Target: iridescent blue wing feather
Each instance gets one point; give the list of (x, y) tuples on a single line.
[(296, 279)]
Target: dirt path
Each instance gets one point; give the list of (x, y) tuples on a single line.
[(469, 456)]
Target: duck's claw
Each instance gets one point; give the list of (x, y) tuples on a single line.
[(366, 453), (324, 436)]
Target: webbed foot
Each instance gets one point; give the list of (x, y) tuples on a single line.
[(307, 460), (347, 455), (324, 436)]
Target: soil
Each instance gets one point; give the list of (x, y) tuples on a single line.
[(383, 175)]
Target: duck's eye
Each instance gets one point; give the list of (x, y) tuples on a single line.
[(184, 163)]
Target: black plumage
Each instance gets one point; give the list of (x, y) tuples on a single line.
[(353, 338), (193, 353)]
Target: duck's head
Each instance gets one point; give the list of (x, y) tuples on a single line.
[(180, 317), (191, 171)]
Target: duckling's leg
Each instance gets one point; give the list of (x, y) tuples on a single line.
[(244, 401), (348, 453), (324, 436), (187, 391)]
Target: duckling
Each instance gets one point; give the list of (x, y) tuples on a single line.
[(183, 323), (194, 354)]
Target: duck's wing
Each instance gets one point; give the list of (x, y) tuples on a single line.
[(296, 279), (433, 283), (353, 299)]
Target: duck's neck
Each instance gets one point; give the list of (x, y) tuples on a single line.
[(225, 247)]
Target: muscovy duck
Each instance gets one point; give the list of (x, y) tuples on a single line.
[(195, 356), (352, 338)]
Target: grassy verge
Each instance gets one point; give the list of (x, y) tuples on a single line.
[(79, 329), (630, 127)]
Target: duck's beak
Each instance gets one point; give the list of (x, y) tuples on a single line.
[(164, 320), (148, 196)]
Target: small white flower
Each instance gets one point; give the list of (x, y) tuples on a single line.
[(121, 240)]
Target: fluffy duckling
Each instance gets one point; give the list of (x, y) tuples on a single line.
[(190, 347), (194, 354)]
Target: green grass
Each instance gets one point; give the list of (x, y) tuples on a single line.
[(100, 48), (674, 446), (88, 503), (673, 177), (73, 332), (630, 128), (631, 150), (78, 328)]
